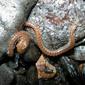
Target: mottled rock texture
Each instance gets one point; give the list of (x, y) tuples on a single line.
[(13, 14), (55, 36)]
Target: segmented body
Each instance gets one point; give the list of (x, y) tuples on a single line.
[(19, 40), (59, 51)]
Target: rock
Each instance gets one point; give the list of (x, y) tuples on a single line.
[(21, 80), (13, 14), (31, 76), (55, 36), (71, 70), (6, 75), (78, 54)]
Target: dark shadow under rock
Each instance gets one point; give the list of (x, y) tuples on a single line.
[(21, 80), (32, 54), (6, 75), (55, 36), (31, 76)]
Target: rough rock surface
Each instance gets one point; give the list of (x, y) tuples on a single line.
[(55, 36), (13, 14)]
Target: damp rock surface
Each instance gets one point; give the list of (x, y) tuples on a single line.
[(13, 14)]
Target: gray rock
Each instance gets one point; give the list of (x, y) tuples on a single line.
[(6, 75), (78, 54), (13, 14), (55, 36)]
